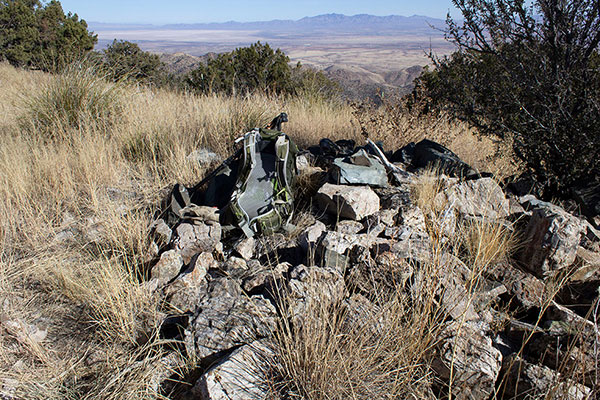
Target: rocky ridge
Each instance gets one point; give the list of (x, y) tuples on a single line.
[(519, 325)]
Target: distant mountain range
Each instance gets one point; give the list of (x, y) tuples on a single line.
[(366, 54), (361, 23)]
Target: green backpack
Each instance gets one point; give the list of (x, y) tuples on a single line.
[(253, 189)]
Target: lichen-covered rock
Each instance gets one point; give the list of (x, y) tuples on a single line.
[(260, 276), (228, 318), (465, 356), (332, 250), (478, 198), (415, 245), (352, 202), (184, 293), (349, 226), (167, 268), (199, 237), (523, 287), (550, 239), (240, 375)]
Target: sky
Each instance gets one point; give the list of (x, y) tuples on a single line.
[(201, 11)]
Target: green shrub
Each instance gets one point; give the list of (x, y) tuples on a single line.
[(530, 72), (244, 70), (41, 36), (314, 84), (124, 60)]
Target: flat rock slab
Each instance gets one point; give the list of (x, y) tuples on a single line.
[(466, 355), (237, 376), (228, 318), (351, 202), (479, 198)]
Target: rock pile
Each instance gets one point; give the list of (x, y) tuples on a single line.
[(520, 326)]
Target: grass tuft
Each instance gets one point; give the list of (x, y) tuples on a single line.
[(78, 98)]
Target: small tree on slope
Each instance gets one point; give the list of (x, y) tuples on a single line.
[(530, 72)]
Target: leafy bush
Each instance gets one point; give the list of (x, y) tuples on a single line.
[(314, 84), (246, 69), (41, 36), (126, 61), (530, 72)]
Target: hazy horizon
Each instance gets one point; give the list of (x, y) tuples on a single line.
[(189, 11), (94, 22)]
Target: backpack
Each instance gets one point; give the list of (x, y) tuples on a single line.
[(262, 200), (253, 189)]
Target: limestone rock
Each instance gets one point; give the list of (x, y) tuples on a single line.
[(332, 250), (237, 376), (479, 198), (573, 322), (349, 226), (167, 268), (550, 238), (466, 353), (235, 267), (245, 248), (161, 232), (455, 297), (525, 288), (352, 202), (227, 318), (192, 239), (203, 157), (311, 235), (414, 245), (184, 293), (261, 276)]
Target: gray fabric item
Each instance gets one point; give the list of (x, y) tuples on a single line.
[(360, 168), (258, 195)]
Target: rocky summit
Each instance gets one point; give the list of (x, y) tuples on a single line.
[(512, 282)]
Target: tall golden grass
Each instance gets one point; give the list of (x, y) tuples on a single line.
[(84, 164)]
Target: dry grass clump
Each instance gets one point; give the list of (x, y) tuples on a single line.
[(485, 242), (77, 98), (478, 241), (337, 352), (76, 211)]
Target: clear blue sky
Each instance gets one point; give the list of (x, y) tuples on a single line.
[(189, 11)]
